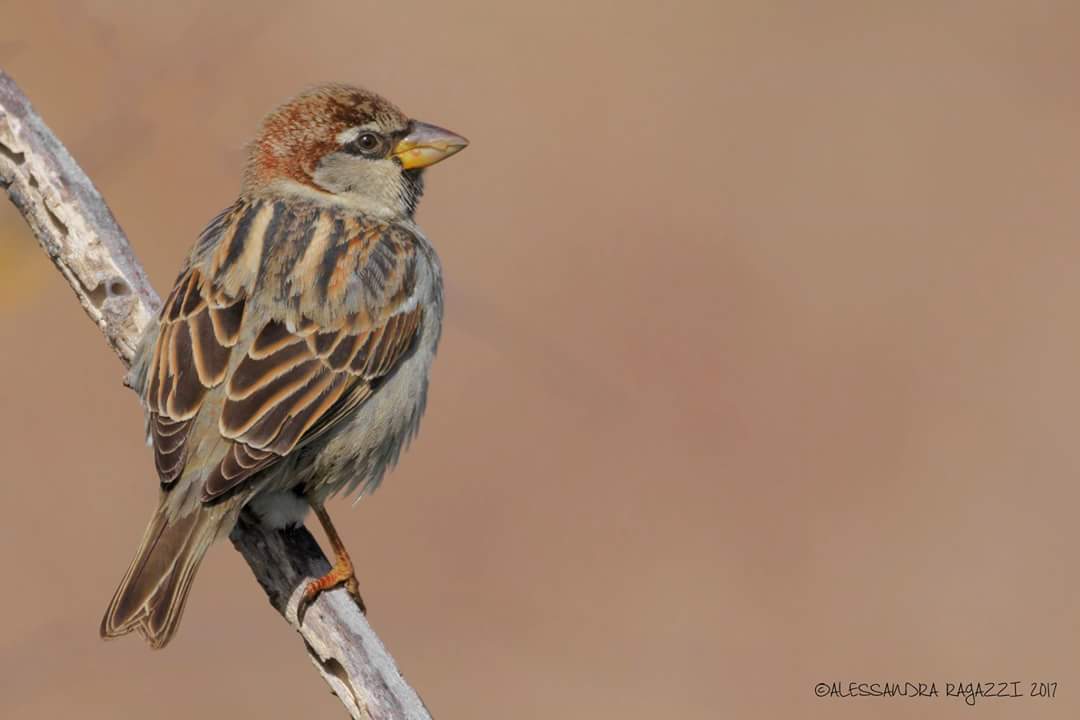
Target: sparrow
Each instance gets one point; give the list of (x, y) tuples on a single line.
[(290, 361)]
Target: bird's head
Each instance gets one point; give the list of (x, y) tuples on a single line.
[(344, 145)]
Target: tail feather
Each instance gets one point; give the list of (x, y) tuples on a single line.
[(152, 595)]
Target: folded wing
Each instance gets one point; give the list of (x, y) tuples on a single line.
[(277, 382)]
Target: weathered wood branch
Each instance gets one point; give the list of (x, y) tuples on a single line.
[(78, 232)]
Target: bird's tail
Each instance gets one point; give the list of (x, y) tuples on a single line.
[(152, 595)]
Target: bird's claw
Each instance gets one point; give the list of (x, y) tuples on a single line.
[(336, 576)]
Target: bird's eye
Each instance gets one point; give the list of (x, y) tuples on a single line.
[(367, 143)]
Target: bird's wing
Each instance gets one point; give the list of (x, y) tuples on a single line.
[(190, 354), (279, 357)]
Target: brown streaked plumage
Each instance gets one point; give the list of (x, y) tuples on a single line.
[(291, 357)]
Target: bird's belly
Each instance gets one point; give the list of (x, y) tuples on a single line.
[(356, 455)]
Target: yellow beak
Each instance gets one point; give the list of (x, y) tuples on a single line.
[(426, 145)]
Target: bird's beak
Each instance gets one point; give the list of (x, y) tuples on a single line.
[(426, 145)]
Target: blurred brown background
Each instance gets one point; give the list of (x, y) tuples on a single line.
[(762, 365)]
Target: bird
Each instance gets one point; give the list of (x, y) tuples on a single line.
[(290, 361)]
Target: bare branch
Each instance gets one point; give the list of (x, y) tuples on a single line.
[(73, 224), (78, 232)]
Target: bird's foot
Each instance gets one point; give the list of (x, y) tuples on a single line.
[(341, 574)]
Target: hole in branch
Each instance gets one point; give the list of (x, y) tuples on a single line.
[(56, 221), (97, 294), (16, 157)]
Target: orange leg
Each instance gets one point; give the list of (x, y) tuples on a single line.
[(341, 573)]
